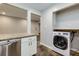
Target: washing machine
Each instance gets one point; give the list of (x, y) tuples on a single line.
[(61, 42)]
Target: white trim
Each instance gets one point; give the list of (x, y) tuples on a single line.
[(65, 7), (74, 49), (46, 45)]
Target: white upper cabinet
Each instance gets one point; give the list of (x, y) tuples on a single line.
[(67, 18)]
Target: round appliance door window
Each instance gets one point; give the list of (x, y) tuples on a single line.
[(60, 42)]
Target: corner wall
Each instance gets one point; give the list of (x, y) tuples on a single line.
[(47, 24)]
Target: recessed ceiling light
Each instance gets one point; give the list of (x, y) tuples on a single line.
[(3, 13)]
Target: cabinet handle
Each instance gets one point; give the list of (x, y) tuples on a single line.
[(29, 43)]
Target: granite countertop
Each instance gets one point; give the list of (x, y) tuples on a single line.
[(15, 36)]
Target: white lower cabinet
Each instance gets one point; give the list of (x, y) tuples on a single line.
[(33, 47), (29, 46)]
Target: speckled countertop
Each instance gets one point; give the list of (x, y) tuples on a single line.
[(15, 36)]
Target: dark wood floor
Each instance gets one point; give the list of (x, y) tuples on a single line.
[(74, 53), (44, 51)]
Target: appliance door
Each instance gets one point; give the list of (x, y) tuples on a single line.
[(60, 42), (3, 48), (14, 47)]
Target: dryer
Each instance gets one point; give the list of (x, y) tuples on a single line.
[(61, 42)]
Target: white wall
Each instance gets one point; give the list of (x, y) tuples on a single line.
[(46, 28), (47, 24), (68, 18)]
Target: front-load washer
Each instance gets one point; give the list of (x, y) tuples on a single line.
[(61, 42)]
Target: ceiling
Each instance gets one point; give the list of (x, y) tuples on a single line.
[(38, 6)]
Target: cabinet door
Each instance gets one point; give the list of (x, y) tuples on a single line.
[(25, 47), (28, 46), (33, 47)]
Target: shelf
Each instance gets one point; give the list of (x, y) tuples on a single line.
[(67, 30)]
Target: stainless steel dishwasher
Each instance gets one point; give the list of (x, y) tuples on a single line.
[(10, 48), (14, 49), (3, 48)]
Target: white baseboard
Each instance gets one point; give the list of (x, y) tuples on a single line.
[(74, 49), (46, 45)]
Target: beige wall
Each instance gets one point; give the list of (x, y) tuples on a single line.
[(11, 10), (11, 25), (35, 27)]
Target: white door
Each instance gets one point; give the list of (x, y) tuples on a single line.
[(25, 47), (33, 46), (28, 46)]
